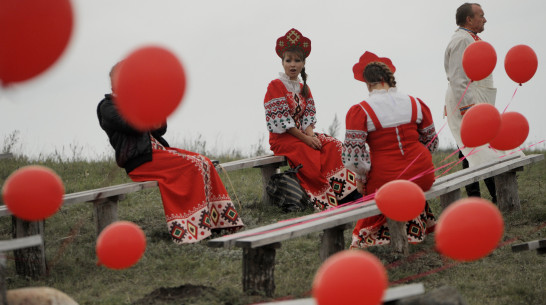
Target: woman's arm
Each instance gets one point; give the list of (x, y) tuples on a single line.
[(312, 140), (426, 129), (355, 156)]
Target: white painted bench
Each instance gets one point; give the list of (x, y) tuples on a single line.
[(105, 201), (259, 244), (391, 294)]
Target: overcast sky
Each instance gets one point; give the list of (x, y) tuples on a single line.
[(227, 49)]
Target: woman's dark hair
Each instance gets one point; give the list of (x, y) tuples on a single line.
[(377, 72), (299, 52), (464, 11)]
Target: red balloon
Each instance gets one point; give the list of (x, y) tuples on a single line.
[(350, 277), (469, 229), (479, 60), (33, 192), (480, 125), (513, 131), (149, 86), (120, 245), (34, 34), (521, 63), (401, 200)]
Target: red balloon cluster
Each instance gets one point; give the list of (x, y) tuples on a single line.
[(521, 63), (149, 85), (120, 245), (469, 229), (350, 277), (33, 192), (401, 200), (479, 60), (480, 125), (513, 131), (34, 34)]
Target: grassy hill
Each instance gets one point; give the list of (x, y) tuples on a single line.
[(197, 274)]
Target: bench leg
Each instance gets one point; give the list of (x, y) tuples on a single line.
[(448, 198), (267, 172), (29, 261), (332, 241), (259, 269), (3, 284), (399, 240), (106, 211), (507, 191)]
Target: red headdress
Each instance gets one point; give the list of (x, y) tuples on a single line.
[(291, 39), (366, 59)]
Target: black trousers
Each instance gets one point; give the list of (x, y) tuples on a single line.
[(474, 188)]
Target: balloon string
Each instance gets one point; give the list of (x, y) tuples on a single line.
[(510, 100)]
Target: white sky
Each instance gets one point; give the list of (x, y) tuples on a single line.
[(227, 49)]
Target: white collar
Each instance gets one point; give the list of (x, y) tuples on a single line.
[(291, 85), (383, 91)]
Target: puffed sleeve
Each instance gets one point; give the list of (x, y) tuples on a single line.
[(277, 111), (426, 129), (355, 156), (310, 113)]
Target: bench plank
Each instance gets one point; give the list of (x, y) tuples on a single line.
[(6, 156), (252, 162), (20, 243), (391, 294)]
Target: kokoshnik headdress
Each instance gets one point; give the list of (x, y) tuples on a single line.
[(293, 38), (366, 59)]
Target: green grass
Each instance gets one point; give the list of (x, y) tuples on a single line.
[(500, 278)]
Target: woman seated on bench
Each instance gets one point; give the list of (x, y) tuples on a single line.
[(400, 134), (290, 117), (194, 199)]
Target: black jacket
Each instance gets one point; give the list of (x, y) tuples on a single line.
[(133, 147)]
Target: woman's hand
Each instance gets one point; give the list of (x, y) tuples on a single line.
[(313, 142), (360, 186)]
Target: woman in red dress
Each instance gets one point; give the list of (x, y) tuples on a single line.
[(290, 116), (400, 134)]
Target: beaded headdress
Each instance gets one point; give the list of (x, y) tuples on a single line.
[(291, 39), (366, 59)]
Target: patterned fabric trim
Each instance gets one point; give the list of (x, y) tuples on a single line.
[(355, 155), (198, 225), (428, 137), (464, 109), (416, 231), (277, 115), (309, 114)]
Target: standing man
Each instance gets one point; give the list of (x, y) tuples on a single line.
[(470, 19)]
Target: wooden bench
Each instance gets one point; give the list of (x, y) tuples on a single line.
[(6, 156), (11, 245), (391, 294), (539, 245), (259, 244), (105, 202)]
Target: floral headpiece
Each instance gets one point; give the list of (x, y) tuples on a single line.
[(366, 59), (291, 39)]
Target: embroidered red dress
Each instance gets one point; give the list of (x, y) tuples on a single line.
[(195, 200), (398, 129), (323, 176)]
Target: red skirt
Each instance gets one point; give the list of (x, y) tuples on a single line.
[(322, 176), (195, 200)]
